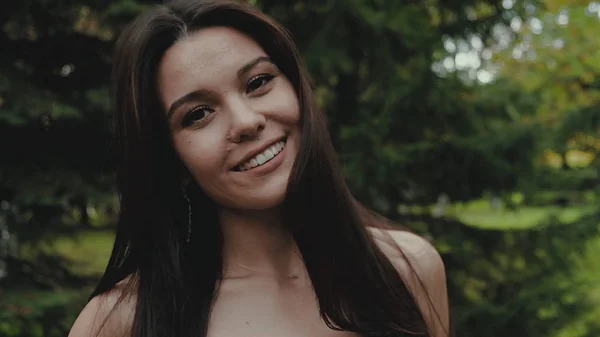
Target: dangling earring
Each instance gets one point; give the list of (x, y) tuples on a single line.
[(189, 228)]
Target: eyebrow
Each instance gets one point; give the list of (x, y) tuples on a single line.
[(203, 93)]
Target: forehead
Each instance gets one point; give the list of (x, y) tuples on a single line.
[(211, 45), (210, 55)]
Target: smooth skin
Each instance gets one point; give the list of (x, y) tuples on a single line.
[(225, 100)]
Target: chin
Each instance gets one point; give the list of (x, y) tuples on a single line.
[(260, 202), (264, 196), (259, 198)]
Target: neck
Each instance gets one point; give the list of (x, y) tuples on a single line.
[(257, 242)]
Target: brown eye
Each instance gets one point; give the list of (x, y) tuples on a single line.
[(196, 114), (258, 82)]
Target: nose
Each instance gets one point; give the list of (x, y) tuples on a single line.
[(246, 122)]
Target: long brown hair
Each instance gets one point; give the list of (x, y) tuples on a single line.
[(357, 287)]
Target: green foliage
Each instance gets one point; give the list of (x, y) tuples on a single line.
[(28, 313), (406, 135), (518, 288)]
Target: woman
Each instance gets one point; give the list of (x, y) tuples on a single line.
[(235, 220)]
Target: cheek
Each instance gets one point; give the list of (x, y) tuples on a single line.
[(200, 154), (288, 105)]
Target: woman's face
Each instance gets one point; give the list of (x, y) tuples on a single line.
[(233, 116)]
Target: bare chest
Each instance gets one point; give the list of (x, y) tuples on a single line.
[(269, 311)]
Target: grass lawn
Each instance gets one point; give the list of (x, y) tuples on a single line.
[(480, 214), (88, 252)]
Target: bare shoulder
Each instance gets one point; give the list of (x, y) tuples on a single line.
[(422, 269), (110, 314), (422, 256)]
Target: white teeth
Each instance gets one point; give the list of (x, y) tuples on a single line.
[(264, 157), (269, 154)]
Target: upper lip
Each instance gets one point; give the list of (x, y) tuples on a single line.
[(257, 151)]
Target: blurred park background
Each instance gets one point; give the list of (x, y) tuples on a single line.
[(476, 123)]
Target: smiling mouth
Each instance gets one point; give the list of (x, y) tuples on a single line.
[(263, 157)]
